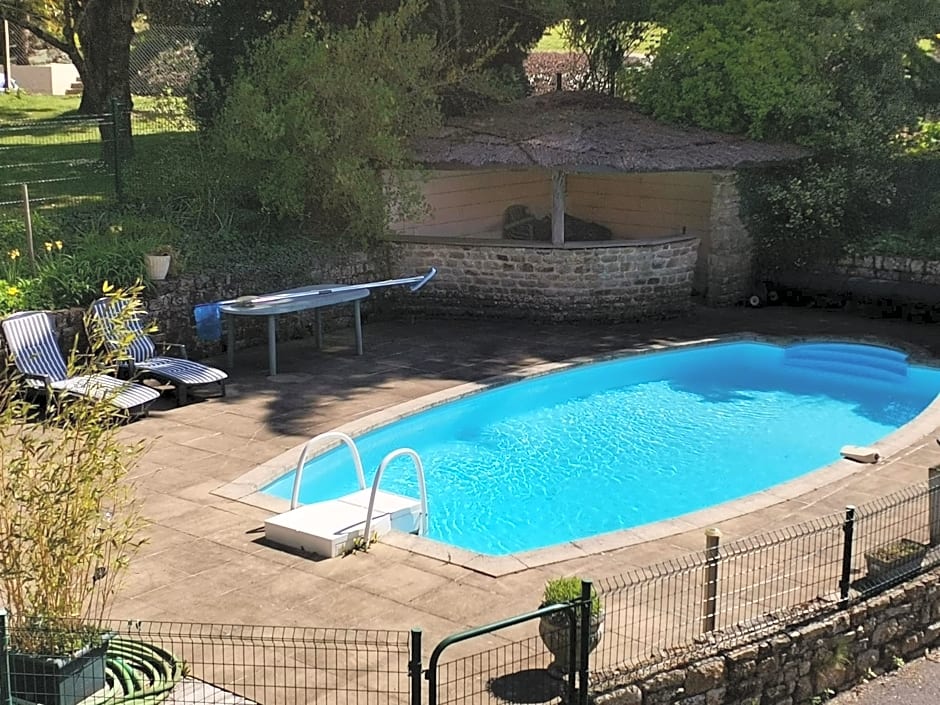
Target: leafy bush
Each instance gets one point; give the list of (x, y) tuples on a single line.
[(310, 124), (85, 249), (568, 589), (833, 77)]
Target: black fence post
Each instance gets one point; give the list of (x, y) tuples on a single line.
[(116, 150), (414, 667), (6, 694), (848, 529), (587, 605)]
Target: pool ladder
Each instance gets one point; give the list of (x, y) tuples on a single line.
[(387, 500)]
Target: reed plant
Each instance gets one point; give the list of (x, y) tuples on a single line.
[(70, 522)]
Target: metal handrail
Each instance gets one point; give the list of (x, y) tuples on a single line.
[(357, 459), (422, 529)]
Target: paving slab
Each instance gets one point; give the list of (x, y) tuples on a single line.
[(218, 567)]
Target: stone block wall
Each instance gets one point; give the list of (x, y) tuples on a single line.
[(730, 266), (801, 663), (170, 303), (900, 269), (628, 280)]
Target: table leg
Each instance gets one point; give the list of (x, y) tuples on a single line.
[(316, 312), (358, 328), (272, 345), (230, 347)]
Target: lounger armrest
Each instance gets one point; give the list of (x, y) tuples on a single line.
[(45, 379), (178, 347)]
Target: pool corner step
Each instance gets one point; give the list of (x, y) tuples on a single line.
[(333, 528)]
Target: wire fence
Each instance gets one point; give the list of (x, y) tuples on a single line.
[(651, 619), (192, 664), (60, 164), (735, 593)]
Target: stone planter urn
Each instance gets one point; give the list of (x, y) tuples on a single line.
[(555, 631)]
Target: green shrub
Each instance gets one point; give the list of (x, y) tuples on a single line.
[(311, 124), (568, 589)]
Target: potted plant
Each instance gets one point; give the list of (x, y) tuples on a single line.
[(555, 629), (153, 237), (68, 529), (895, 560), (158, 260)]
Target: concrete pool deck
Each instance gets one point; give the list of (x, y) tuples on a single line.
[(205, 562)]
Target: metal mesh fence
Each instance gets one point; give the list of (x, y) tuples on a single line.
[(65, 161), (75, 161), (733, 593), (192, 664), (534, 657), (164, 59)]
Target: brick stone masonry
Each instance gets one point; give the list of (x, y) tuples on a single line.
[(730, 256), (627, 280), (902, 269), (805, 664)]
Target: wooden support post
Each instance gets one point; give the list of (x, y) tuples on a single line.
[(710, 603), (558, 207), (933, 488)]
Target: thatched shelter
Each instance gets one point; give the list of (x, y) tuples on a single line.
[(587, 159), (581, 131)]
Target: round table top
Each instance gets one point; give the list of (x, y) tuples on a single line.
[(291, 300)]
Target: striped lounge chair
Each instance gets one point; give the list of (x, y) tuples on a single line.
[(178, 371), (31, 339)]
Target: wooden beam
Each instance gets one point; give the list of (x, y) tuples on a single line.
[(559, 188)]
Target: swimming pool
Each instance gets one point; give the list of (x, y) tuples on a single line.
[(617, 444)]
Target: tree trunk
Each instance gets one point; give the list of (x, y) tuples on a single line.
[(105, 34)]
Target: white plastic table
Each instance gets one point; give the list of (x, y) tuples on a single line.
[(273, 307)]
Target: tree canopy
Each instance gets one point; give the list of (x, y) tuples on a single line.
[(94, 34), (494, 37), (843, 77)]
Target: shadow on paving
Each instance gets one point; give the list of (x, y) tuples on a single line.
[(403, 360)]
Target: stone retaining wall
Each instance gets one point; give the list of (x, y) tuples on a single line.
[(624, 280), (170, 303), (903, 269), (799, 664)]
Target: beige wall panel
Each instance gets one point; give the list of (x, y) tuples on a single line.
[(466, 203)]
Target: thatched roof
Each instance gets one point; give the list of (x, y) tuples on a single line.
[(580, 131)]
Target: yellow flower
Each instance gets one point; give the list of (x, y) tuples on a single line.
[(58, 244), (48, 247), (14, 253), (12, 291)]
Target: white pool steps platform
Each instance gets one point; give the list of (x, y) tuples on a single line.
[(336, 526), (331, 528)]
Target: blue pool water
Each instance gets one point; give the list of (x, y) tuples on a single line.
[(621, 443)]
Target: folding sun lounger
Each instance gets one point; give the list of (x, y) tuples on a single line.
[(178, 371), (31, 338)]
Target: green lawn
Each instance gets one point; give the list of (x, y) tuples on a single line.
[(552, 40), (61, 155)]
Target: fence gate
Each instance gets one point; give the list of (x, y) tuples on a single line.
[(541, 656)]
